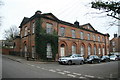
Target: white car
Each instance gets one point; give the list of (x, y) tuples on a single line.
[(71, 59), (113, 57)]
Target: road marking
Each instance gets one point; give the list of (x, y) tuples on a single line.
[(81, 77), (52, 70), (43, 69), (77, 74), (28, 64), (32, 65), (61, 72), (37, 66), (89, 76), (100, 77), (58, 69), (71, 75), (66, 71)]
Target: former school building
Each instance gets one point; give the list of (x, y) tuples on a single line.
[(37, 37)]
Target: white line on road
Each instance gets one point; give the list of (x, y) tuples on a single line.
[(52, 70), (58, 69), (89, 76), (81, 77), (37, 66), (66, 71), (32, 65), (77, 74), (71, 75), (61, 72)]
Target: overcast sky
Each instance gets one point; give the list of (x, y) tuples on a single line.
[(13, 12)]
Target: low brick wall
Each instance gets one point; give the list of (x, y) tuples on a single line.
[(6, 51)]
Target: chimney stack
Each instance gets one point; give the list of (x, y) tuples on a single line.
[(38, 12), (76, 23), (115, 35)]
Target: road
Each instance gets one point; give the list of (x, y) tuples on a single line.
[(14, 69)]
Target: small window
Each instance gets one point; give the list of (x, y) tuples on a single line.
[(73, 33), (33, 27), (25, 33), (94, 38), (81, 35), (99, 38), (62, 31), (103, 39), (88, 36), (49, 28), (113, 43)]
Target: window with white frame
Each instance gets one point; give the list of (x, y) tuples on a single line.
[(49, 28), (94, 37), (33, 27), (88, 35), (73, 49), (113, 43), (103, 51), (49, 50), (103, 39), (26, 32), (81, 35), (33, 52), (99, 38), (107, 50), (73, 33), (82, 50), (95, 50), (62, 31), (99, 52), (113, 49), (89, 50)]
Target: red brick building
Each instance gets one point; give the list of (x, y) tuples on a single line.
[(73, 38), (115, 44)]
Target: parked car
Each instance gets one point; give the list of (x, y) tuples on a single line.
[(93, 59), (71, 59), (105, 58), (113, 57), (118, 57)]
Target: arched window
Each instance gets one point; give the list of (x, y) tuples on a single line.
[(73, 49), (95, 50), (62, 50), (89, 50), (82, 50)]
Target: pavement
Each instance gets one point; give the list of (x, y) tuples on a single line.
[(24, 60)]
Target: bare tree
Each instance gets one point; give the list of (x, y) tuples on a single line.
[(112, 8), (1, 3), (11, 33)]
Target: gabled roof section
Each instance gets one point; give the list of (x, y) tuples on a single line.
[(50, 15), (25, 19), (88, 26)]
